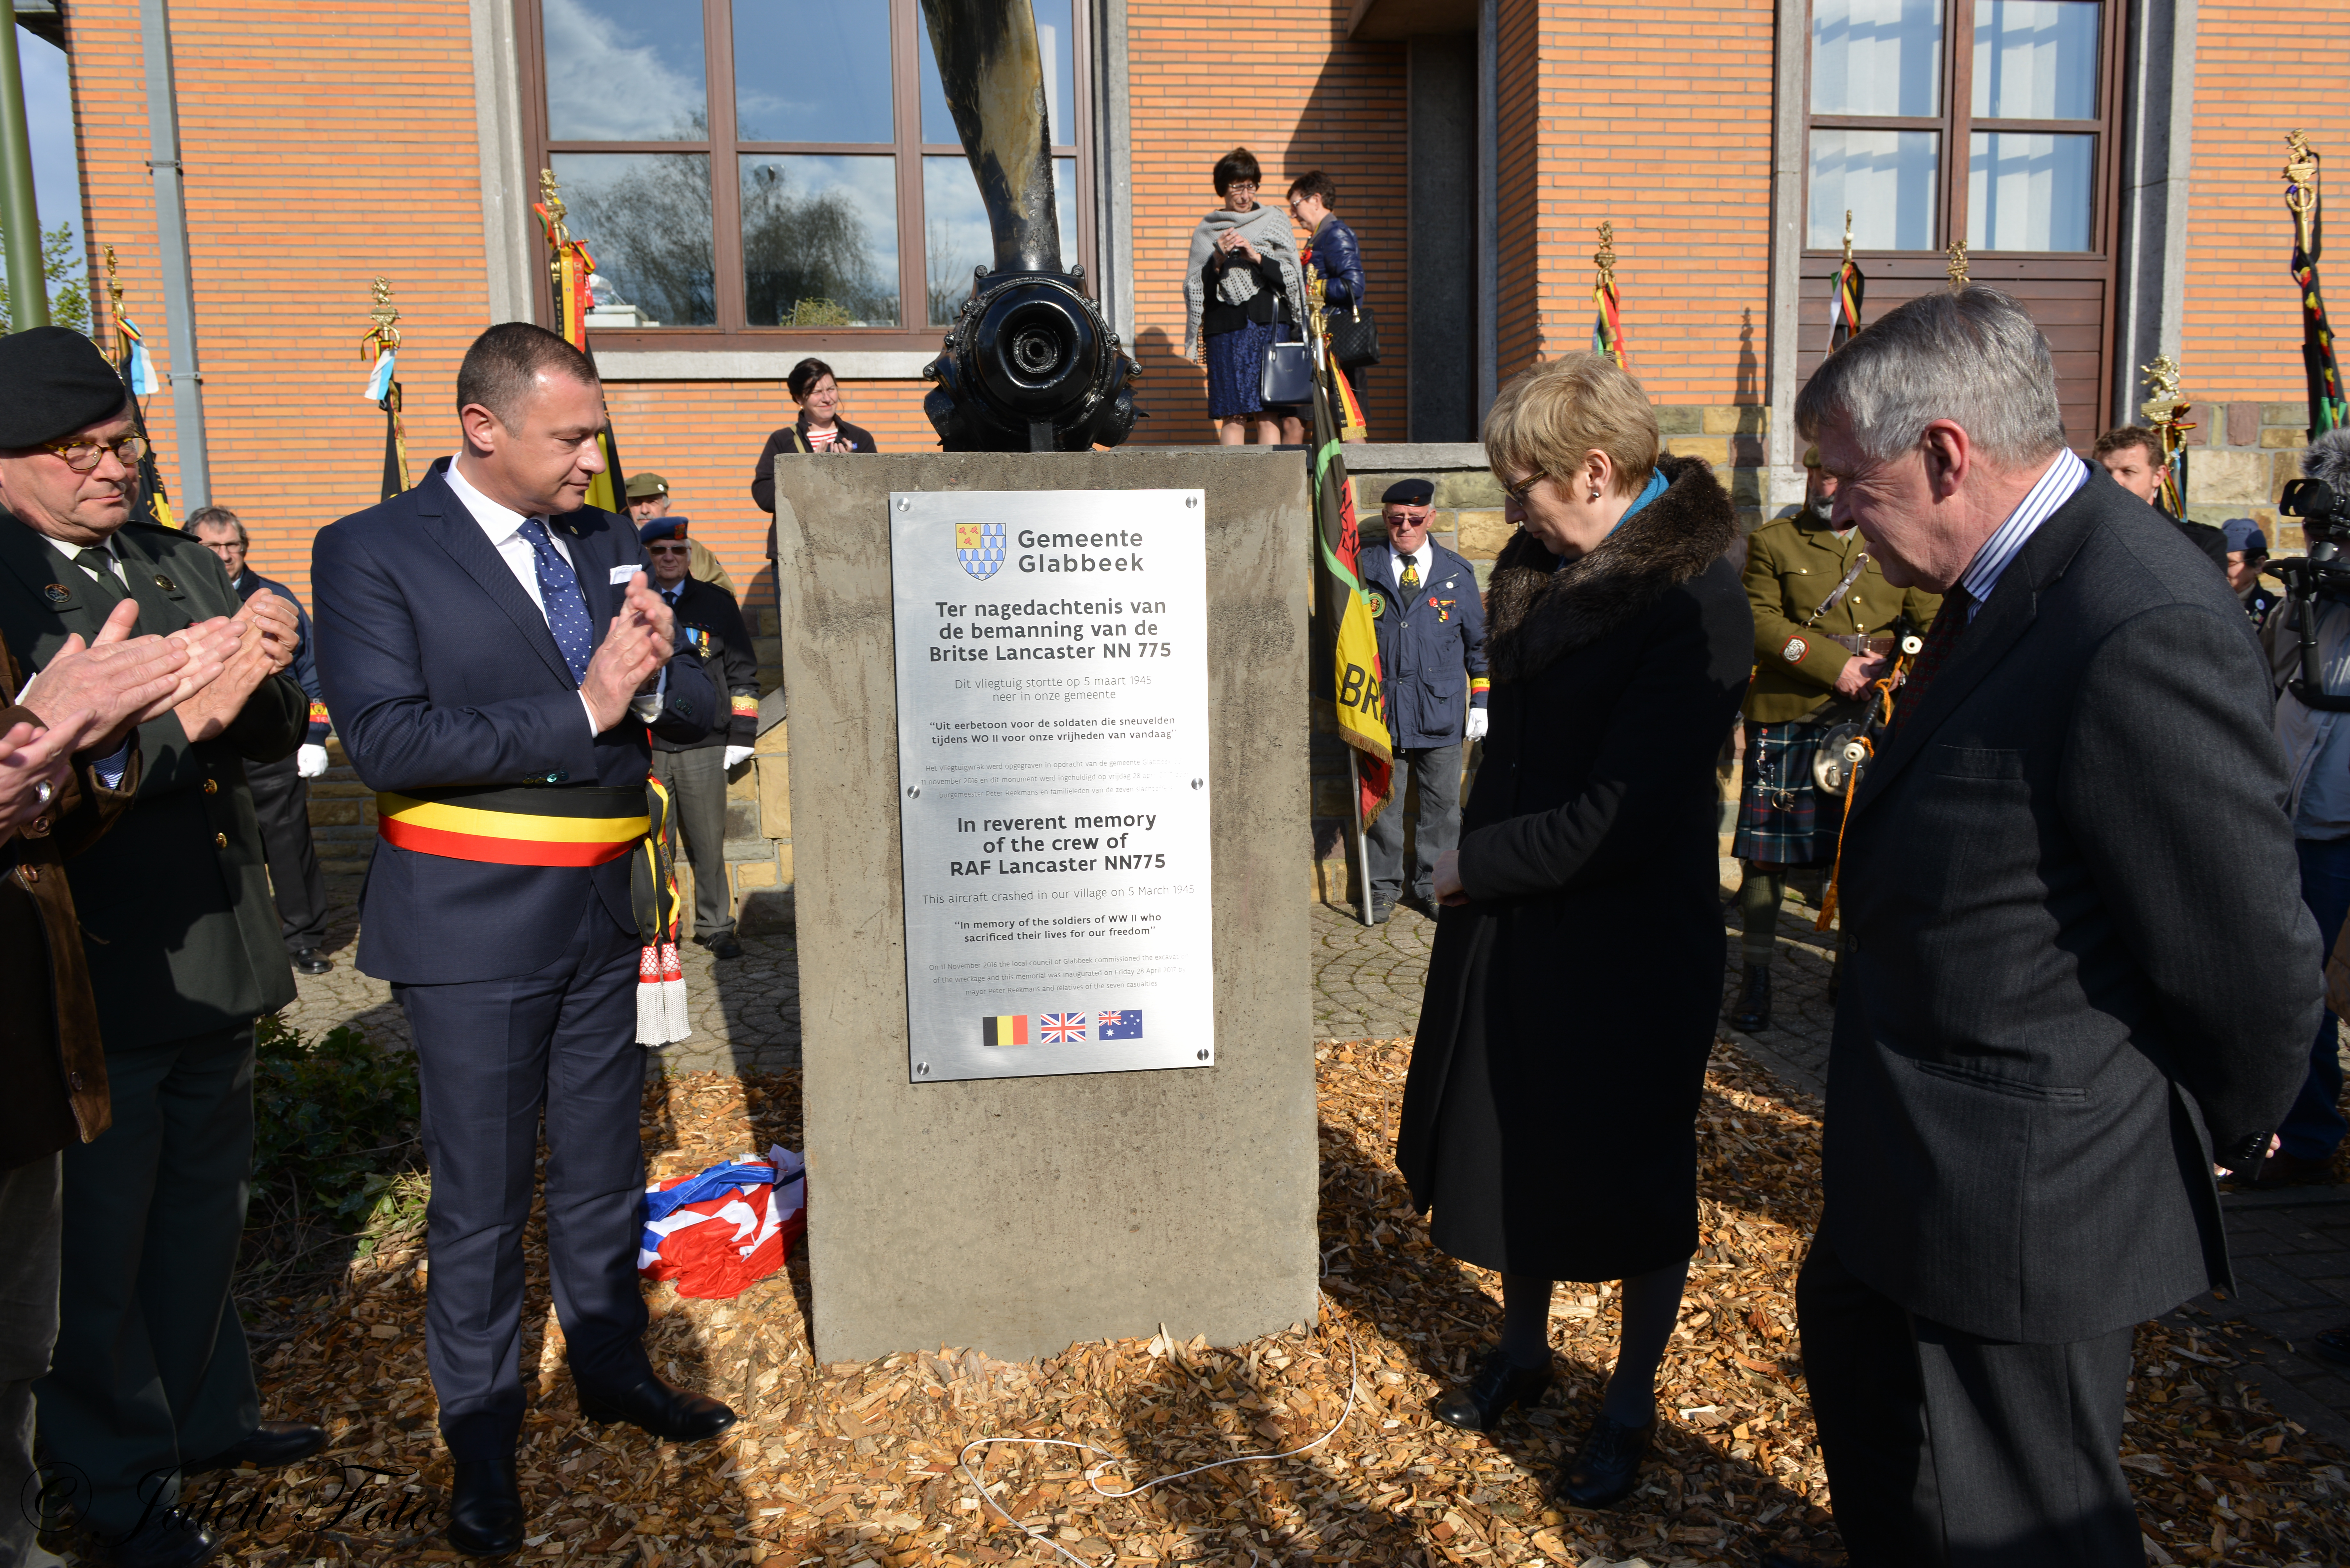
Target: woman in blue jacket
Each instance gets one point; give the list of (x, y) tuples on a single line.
[(1332, 251)]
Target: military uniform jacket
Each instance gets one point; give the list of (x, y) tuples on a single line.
[(710, 623), (177, 922), (1431, 647), (1791, 565), (50, 1056)]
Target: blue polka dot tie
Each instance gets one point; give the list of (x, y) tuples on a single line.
[(567, 607)]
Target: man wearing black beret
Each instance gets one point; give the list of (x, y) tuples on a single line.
[(1431, 628), (150, 1380)]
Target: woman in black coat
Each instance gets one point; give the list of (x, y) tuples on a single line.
[(1550, 1116)]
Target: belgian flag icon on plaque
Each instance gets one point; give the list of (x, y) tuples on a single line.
[(1003, 1031)]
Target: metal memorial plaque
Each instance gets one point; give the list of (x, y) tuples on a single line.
[(1053, 781)]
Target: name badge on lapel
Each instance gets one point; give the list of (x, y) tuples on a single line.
[(620, 575)]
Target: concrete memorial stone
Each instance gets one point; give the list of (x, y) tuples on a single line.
[(1018, 1214)]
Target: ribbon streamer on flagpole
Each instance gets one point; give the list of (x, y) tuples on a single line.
[(380, 346), (1845, 296), (568, 267), (2327, 410), (1608, 322), (138, 372)]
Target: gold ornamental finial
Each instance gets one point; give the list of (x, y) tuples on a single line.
[(2162, 379), (1958, 254), (385, 336), (1604, 258), (2301, 186), (1847, 237), (113, 294), (550, 202)]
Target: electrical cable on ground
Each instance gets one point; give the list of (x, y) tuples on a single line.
[(1108, 1459)]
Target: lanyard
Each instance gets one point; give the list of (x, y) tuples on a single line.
[(1859, 564)]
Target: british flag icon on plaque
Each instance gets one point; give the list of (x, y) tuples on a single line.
[(980, 547)]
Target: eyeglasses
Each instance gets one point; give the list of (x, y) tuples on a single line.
[(83, 455), (1517, 492), (665, 550), (1245, 187)]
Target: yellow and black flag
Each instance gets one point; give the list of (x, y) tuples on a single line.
[(1343, 611), (381, 348), (139, 380), (570, 266)]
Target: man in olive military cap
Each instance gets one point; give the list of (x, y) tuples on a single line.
[(649, 498), (1824, 621), (150, 1379)]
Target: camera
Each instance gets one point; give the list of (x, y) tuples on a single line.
[(2325, 571)]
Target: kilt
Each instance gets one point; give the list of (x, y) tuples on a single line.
[(1781, 815)]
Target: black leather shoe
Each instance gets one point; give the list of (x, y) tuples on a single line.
[(485, 1507), (271, 1443), (164, 1539), (1752, 1014), (1608, 1466), (1497, 1385), (724, 945), (1379, 913), (653, 1404), (310, 961)]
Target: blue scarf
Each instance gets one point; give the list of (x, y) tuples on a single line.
[(1654, 487)]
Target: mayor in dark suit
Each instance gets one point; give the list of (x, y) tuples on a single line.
[(2079, 971), (493, 658)]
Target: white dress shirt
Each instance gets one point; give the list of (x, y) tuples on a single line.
[(2057, 484), (1424, 557), (503, 524)]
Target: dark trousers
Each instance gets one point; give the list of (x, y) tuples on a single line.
[(696, 781), (491, 1056), (1436, 770), (31, 1210), (150, 1368), (2313, 1127), (1948, 1450), (281, 799)]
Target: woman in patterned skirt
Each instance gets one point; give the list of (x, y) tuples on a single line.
[(1239, 285)]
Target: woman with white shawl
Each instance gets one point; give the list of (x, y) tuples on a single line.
[(1241, 287)]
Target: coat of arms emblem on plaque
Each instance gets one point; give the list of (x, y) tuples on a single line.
[(980, 547)]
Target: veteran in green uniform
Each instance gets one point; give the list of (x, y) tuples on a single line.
[(1823, 631), (151, 1378)]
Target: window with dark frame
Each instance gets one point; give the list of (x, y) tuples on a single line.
[(1987, 121), (774, 171)]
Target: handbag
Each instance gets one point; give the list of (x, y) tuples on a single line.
[(1354, 335), (1287, 374)]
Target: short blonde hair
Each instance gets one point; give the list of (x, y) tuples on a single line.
[(1548, 419)]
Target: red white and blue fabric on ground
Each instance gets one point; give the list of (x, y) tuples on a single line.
[(726, 1228)]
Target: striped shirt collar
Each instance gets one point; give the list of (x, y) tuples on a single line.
[(2056, 485)]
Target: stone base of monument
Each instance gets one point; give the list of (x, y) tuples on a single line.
[(1018, 1215)]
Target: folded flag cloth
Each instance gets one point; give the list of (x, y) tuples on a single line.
[(726, 1228)]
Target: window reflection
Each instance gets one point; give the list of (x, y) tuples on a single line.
[(645, 217), (956, 239), (2035, 59), (625, 70), (820, 240), (2027, 192), (1054, 46), (806, 70), (1887, 179), (1877, 57)]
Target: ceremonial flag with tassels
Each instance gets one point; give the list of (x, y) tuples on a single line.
[(2327, 410), (570, 271), (381, 346), (1843, 304), (1607, 304), (1343, 609), (139, 379)]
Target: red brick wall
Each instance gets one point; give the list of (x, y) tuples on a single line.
[(1281, 79), (1659, 121), (2261, 69)]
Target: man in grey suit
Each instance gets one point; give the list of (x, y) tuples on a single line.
[(2079, 971)]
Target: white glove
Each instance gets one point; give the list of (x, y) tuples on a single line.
[(310, 762), (1476, 723), (736, 756)]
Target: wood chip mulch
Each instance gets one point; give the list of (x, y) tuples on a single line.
[(852, 1464)]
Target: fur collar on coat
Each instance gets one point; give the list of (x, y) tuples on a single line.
[(1538, 613)]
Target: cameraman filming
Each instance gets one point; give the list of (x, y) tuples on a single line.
[(2315, 738)]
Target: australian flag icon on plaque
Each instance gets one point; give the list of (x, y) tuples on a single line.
[(980, 547)]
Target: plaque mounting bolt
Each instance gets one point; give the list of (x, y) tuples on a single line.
[(1204, 1055), (921, 1069), (904, 504), (913, 791), (1199, 783), (1191, 501)]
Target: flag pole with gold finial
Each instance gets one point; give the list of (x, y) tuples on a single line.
[(2165, 411), (1845, 296), (1957, 267), (381, 349), (1608, 322), (138, 379), (569, 266), (2327, 410)]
